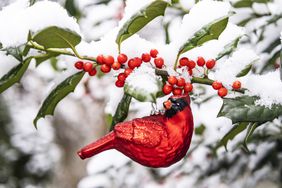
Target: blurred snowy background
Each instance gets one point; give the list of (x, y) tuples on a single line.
[(47, 157)]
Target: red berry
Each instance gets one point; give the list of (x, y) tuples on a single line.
[(146, 57), (188, 88), (121, 77), (190, 71), (172, 80), (159, 62), (236, 85), (154, 53), (127, 71), (210, 63), (116, 65), (184, 61), (119, 83), (92, 72), (201, 61), (87, 67), (167, 89), (177, 91), (108, 59), (99, 59), (180, 82), (122, 58), (79, 65), (105, 68), (138, 61), (222, 92), (216, 85), (131, 64), (191, 64)]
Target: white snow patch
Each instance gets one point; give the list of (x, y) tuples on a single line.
[(226, 71), (17, 19), (268, 87), (143, 78), (204, 12)]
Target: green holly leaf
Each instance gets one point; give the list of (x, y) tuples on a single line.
[(248, 3), (15, 52), (209, 32), (243, 109), (43, 57), (55, 37), (140, 19), (245, 71), (60, 92), (200, 129), (229, 48), (14, 75), (234, 131), (251, 128), (122, 110)]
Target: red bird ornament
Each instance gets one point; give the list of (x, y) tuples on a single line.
[(153, 141)]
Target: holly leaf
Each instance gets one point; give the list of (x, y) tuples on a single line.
[(245, 71), (122, 110), (43, 57), (243, 109), (55, 37), (248, 3), (229, 48), (15, 52), (234, 131), (209, 32), (140, 19), (60, 92), (251, 128), (14, 75)]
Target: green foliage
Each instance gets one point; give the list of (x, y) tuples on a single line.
[(200, 129), (55, 37), (235, 130), (14, 75), (243, 109), (248, 3), (59, 93), (122, 110), (205, 34), (140, 19), (229, 48), (245, 71), (15, 52)]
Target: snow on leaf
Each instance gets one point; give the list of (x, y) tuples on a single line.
[(60, 92), (140, 19), (207, 33), (55, 37), (14, 75), (143, 84), (229, 48), (244, 109)]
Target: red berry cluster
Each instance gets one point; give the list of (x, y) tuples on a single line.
[(107, 62), (222, 91), (87, 67), (201, 62), (177, 86)]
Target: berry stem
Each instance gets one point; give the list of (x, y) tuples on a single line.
[(176, 61), (197, 80), (59, 51)]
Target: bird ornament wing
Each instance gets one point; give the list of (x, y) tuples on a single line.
[(146, 131)]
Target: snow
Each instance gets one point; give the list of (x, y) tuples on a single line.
[(204, 12), (132, 7), (267, 87), (21, 19), (144, 80), (226, 71)]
